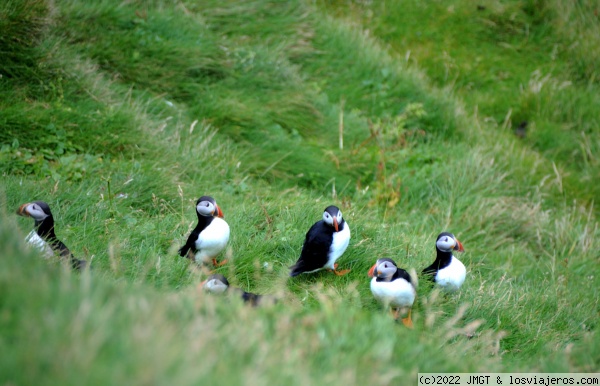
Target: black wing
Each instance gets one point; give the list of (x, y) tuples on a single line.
[(315, 249), (402, 274), (257, 300), (431, 271), (250, 298), (190, 244), (64, 252), (78, 264), (203, 222)]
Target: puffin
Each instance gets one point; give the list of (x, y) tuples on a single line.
[(210, 236), (325, 242), (393, 287), (43, 237), (447, 271), (218, 284)]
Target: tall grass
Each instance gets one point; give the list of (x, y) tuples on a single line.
[(510, 62), (577, 23), (23, 25), (161, 103)]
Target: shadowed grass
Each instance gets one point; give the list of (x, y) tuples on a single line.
[(510, 62)]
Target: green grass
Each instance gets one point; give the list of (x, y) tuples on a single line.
[(125, 113), (510, 61)]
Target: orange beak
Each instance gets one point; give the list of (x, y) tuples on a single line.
[(201, 285), (335, 224), (22, 211), (372, 270), (219, 212), (459, 246)]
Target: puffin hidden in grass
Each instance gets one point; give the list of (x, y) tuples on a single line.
[(218, 284), (447, 271), (393, 287), (43, 237), (210, 236), (325, 242)]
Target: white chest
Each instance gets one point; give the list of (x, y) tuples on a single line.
[(40, 244), (339, 244), (398, 293), (453, 276), (212, 240)]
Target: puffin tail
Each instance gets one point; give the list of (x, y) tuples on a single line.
[(78, 264), (296, 269), (183, 250)]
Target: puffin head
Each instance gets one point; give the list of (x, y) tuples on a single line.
[(384, 268), (215, 284), (446, 242), (333, 217), (38, 210), (207, 206)]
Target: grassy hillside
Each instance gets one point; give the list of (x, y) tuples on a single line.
[(121, 114), (511, 62)]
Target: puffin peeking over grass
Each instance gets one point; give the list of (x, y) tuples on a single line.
[(43, 237), (447, 271), (218, 284), (393, 287), (325, 242), (210, 236)]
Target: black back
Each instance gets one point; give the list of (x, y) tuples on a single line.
[(442, 260), (220, 278), (247, 297), (258, 300), (250, 298), (399, 274), (316, 247), (45, 229), (190, 245)]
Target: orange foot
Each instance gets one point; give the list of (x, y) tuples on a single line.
[(339, 273), (408, 320), (216, 264)]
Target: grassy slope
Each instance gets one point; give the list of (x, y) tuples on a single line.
[(510, 62), (110, 142)]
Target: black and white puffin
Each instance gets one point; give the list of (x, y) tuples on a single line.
[(218, 284), (393, 287), (325, 242), (447, 271), (210, 236), (43, 236)]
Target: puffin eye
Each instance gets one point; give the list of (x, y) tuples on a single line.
[(446, 239)]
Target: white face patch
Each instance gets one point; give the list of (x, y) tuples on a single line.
[(205, 208), (386, 269), (35, 211), (215, 286), (329, 219), (446, 243)]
